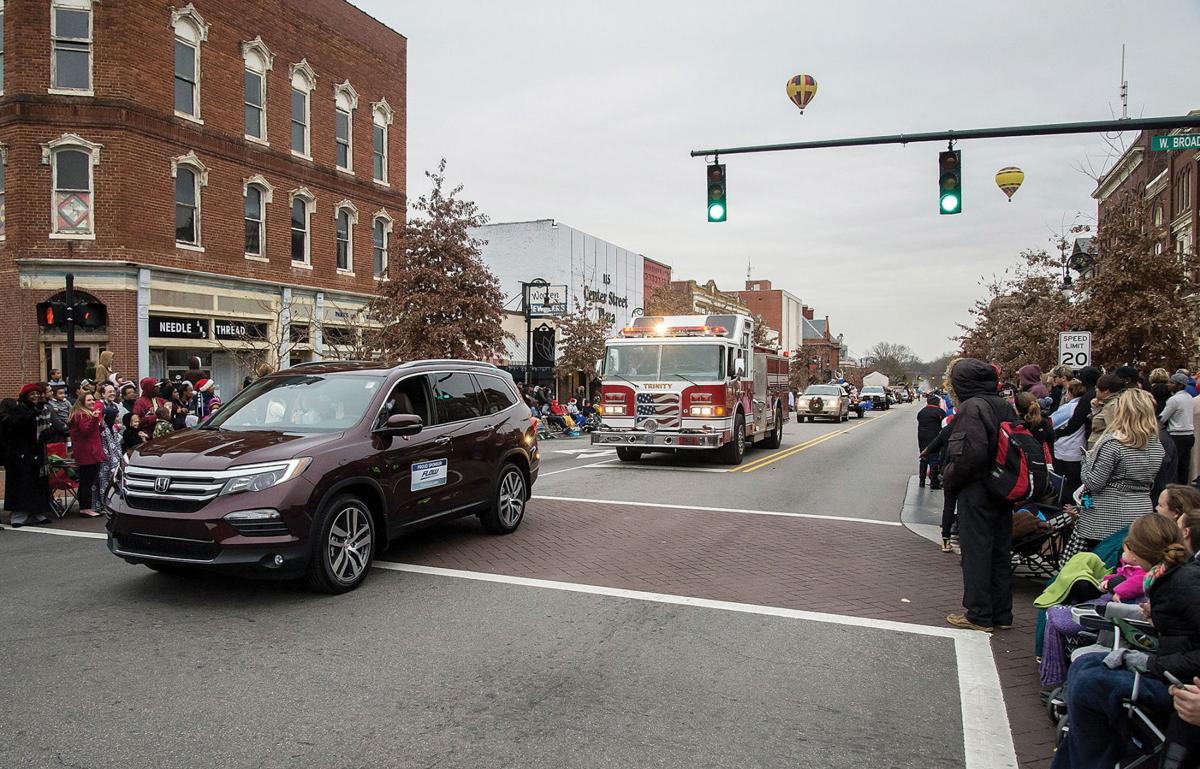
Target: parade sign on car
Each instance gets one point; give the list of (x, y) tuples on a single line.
[(1075, 348)]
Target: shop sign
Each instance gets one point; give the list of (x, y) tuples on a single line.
[(239, 329), (543, 346), (604, 297), (543, 300), (171, 327)]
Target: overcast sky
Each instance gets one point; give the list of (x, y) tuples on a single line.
[(585, 113)]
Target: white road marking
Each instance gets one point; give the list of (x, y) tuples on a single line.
[(987, 737), (741, 511), (627, 466), (577, 467)]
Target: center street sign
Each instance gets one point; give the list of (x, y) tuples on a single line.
[(1176, 142), (1075, 348)]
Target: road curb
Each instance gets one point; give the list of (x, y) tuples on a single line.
[(922, 511)]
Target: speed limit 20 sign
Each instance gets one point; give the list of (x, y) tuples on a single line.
[(1075, 348)]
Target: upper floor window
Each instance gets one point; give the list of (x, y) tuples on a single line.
[(257, 192), (3, 168), (258, 60), (381, 118), (71, 159), (302, 202), (345, 217), (381, 231), (190, 32), (345, 102), (303, 81), (71, 36), (190, 175)]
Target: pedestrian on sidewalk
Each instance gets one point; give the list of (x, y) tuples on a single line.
[(1031, 413), (949, 499), (984, 520), (87, 450), (1060, 378), (1030, 380), (1179, 419), (1069, 449), (929, 424), (26, 490)]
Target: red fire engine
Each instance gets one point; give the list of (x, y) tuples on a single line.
[(691, 382)]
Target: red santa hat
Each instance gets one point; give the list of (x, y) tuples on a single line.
[(204, 385), (32, 387)]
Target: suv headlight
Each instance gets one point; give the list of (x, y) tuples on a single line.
[(260, 477)]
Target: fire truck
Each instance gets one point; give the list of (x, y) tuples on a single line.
[(689, 382)]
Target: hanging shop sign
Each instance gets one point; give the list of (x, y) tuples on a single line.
[(171, 327), (543, 346), (239, 330)]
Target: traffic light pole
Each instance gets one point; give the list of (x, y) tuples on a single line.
[(69, 360), (1045, 129)]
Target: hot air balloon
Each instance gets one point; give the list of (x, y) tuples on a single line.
[(1009, 180), (801, 89)]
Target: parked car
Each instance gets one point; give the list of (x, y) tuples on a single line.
[(823, 402), (310, 472), (878, 396)]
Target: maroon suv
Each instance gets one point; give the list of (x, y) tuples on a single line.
[(311, 471)]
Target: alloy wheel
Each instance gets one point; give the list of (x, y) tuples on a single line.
[(349, 546), (512, 499)]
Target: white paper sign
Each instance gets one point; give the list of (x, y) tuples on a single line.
[(426, 475)]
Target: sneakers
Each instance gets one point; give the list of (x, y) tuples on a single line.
[(959, 620), (922, 484), (947, 547)]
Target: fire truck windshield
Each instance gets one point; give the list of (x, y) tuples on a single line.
[(653, 362)]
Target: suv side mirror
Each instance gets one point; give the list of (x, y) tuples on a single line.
[(739, 367), (403, 425)]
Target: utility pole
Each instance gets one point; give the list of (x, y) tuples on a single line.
[(69, 360)]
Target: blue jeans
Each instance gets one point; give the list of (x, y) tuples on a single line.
[(1099, 725)]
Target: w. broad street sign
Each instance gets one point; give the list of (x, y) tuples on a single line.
[(1176, 142)]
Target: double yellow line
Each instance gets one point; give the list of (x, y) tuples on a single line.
[(793, 450)]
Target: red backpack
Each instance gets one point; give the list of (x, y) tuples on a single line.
[(1020, 471)]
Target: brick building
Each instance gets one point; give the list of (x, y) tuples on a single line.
[(782, 311), (655, 275), (225, 177)]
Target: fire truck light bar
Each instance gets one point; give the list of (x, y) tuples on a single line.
[(662, 330)]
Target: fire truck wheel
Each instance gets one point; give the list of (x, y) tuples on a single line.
[(732, 452), (626, 454), (775, 437)]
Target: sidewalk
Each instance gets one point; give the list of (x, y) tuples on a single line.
[(1016, 658)]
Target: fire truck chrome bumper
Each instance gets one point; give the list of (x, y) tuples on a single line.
[(670, 440)]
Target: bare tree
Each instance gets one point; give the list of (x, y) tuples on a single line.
[(671, 299), (584, 332)]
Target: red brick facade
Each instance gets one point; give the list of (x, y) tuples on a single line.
[(130, 115), (655, 275)]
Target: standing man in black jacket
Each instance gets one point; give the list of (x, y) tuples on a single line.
[(984, 521), (929, 424)]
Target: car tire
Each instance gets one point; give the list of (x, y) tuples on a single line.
[(810, 419), (626, 454), (775, 438), (733, 452), (344, 530), (508, 502)]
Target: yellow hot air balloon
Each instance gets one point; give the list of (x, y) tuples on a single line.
[(1009, 180), (801, 89)]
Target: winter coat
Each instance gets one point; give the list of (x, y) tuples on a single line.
[(60, 414), (25, 488), (1175, 612), (1089, 375), (972, 443), (86, 446), (1030, 379), (1161, 392), (147, 404), (1044, 432), (929, 424), (1119, 479)]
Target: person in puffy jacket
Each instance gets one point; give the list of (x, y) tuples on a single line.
[(984, 520), (146, 406), (1030, 379), (87, 449), (929, 424)]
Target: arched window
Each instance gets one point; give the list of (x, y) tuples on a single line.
[(301, 204), (303, 81), (345, 102), (345, 217), (72, 159), (381, 118), (190, 31), (257, 193), (258, 60), (381, 235), (190, 175)]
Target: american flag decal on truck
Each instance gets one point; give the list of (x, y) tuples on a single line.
[(662, 407)]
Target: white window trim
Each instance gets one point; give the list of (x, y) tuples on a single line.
[(306, 74), (188, 15), (256, 48), (389, 224), (351, 220), (381, 115), (1, 55), (78, 5), (268, 191), (345, 92), (193, 164), (4, 162), (310, 205), (71, 141)]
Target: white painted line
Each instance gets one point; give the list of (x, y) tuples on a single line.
[(577, 467), (987, 737), (628, 503), (61, 532), (627, 466)]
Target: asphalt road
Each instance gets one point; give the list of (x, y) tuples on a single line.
[(112, 666)]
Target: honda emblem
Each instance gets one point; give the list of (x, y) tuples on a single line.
[(162, 485)]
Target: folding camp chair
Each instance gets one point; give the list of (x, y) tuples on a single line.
[(62, 478), (1040, 554)]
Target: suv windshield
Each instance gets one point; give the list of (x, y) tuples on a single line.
[(299, 403), (823, 390), (646, 362)]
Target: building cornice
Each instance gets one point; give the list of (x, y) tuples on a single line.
[(1119, 172)]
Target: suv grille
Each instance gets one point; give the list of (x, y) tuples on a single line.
[(169, 547), (260, 528), (169, 490)]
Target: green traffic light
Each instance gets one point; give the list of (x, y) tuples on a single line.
[(949, 203), (716, 212)]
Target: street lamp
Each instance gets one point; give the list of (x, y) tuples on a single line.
[(526, 288)]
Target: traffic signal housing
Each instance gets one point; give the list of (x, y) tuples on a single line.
[(950, 182), (52, 314), (717, 210), (91, 315)]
